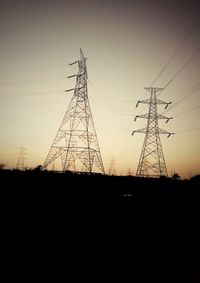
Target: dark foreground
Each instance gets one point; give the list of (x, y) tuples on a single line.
[(102, 228)]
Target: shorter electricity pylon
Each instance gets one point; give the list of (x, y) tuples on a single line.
[(152, 162), (112, 170), (129, 173), (20, 163)]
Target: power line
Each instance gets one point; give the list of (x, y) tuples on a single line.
[(42, 92), (108, 98), (44, 69), (32, 81), (188, 92), (174, 77), (182, 67), (14, 136), (109, 118), (188, 111), (182, 97), (34, 93), (178, 48), (117, 110), (187, 131), (39, 69), (111, 135)]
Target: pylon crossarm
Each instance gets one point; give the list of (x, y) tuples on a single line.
[(73, 63), (167, 104), (169, 119), (157, 89), (139, 131), (67, 90), (158, 101), (146, 101), (145, 116), (161, 131), (160, 116)]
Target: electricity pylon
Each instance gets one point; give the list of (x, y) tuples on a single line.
[(112, 170), (152, 162), (76, 140), (20, 163)]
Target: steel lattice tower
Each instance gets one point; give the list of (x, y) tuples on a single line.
[(152, 162), (76, 140), (112, 170), (20, 163)]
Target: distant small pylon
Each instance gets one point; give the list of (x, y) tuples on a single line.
[(129, 173), (112, 170), (20, 163)]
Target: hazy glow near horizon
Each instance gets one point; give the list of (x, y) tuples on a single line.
[(127, 44)]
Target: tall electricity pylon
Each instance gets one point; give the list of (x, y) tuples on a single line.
[(20, 163), (76, 140), (152, 162)]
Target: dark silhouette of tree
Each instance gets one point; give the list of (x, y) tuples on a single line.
[(38, 168), (176, 176), (2, 166), (196, 178)]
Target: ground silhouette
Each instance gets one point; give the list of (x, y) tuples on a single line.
[(143, 228)]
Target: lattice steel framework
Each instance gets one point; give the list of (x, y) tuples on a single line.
[(76, 140), (112, 170), (21, 159), (152, 162)]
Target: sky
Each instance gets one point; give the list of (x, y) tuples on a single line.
[(129, 45)]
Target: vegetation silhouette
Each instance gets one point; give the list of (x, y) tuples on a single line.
[(176, 176), (146, 226), (2, 166)]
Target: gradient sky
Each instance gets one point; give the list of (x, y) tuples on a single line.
[(127, 44)]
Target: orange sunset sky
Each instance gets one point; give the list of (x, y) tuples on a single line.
[(129, 46)]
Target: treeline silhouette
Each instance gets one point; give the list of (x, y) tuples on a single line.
[(59, 198), (145, 225)]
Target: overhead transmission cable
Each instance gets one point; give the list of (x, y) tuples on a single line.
[(44, 69), (188, 111), (177, 49), (32, 81), (176, 74), (182, 97), (190, 130), (36, 93), (182, 67), (38, 69), (107, 102), (113, 125)]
